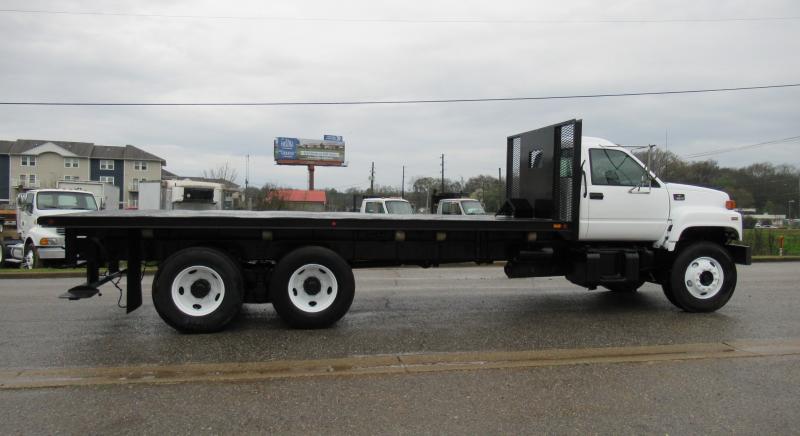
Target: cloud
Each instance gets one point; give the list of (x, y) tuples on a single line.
[(91, 58)]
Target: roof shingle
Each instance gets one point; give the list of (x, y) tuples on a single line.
[(82, 149)]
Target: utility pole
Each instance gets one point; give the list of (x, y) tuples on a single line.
[(499, 189), (246, 182), (403, 184), (372, 180), (666, 156), (442, 172)]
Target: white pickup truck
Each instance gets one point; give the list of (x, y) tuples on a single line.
[(460, 206), (37, 242), (392, 206)]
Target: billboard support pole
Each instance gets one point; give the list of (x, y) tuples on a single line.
[(311, 177)]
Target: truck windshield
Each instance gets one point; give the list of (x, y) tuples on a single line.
[(399, 207), (473, 207), (65, 200)]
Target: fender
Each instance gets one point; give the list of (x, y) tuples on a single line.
[(685, 218)]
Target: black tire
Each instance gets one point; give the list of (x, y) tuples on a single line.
[(708, 292), (667, 288), (626, 288), (37, 261), (217, 270), (323, 297), (2, 255)]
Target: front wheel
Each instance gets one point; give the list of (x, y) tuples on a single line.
[(312, 287), (702, 279), (198, 290), (30, 258)]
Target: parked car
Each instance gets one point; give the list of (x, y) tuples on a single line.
[(460, 206)]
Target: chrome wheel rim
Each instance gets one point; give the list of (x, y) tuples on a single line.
[(704, 278), (312, 288), (28, 260), (198, 290)]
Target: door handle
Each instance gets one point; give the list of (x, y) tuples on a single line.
[(595, 195)]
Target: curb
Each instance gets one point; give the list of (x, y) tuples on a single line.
[(768, 259)]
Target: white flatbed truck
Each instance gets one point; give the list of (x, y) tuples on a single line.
[(577, 207)]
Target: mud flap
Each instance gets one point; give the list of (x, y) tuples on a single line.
[(741, 254)]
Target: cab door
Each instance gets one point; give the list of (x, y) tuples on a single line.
[(622, 204), (24, 211)]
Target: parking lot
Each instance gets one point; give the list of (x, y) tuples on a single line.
[(439, 350)]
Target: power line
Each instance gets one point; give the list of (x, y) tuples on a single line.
[(744, 147), (385, 102), (441, 20)]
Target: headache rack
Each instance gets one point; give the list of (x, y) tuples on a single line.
[(544, 171)]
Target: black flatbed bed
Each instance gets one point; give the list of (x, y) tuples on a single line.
[(266, 220)]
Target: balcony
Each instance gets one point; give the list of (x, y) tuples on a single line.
[(28, 184), (133, 187)]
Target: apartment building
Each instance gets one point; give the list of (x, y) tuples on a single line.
[(29, 164)]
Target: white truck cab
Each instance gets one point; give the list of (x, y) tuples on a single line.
[(460, 206), (40, 242), (393, 206), (622, 201)]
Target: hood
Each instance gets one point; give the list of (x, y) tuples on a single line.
[(52, 212), (46, 213), (697, 195)]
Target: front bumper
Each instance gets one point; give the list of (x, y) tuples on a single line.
[(51, 252), (741, 254)]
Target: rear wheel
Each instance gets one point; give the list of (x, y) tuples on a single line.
[(702, 279), (198, 290), (312, 287)]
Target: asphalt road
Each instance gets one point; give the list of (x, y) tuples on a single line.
[(415, 312)]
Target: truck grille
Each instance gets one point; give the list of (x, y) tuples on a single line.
[(61, 231)]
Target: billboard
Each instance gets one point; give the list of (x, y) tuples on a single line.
[(299, 151)]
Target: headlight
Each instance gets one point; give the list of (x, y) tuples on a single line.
[(51, 241)]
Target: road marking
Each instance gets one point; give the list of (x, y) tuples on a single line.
[(387, 364)]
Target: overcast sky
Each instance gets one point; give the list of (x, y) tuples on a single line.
[(57, 57)]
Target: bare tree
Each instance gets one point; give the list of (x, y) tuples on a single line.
[(225, 172)]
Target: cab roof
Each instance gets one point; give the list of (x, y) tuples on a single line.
[(591, 141)]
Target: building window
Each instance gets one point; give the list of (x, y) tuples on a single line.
[(135, 183), (28, 161), (71, 162), (71, 178), (140, 165), (106, 164), (133, 201), (107, 179), (27, 180)]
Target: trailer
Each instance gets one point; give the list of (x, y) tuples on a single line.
[(180, 195), (106, 194), (582, 208)]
